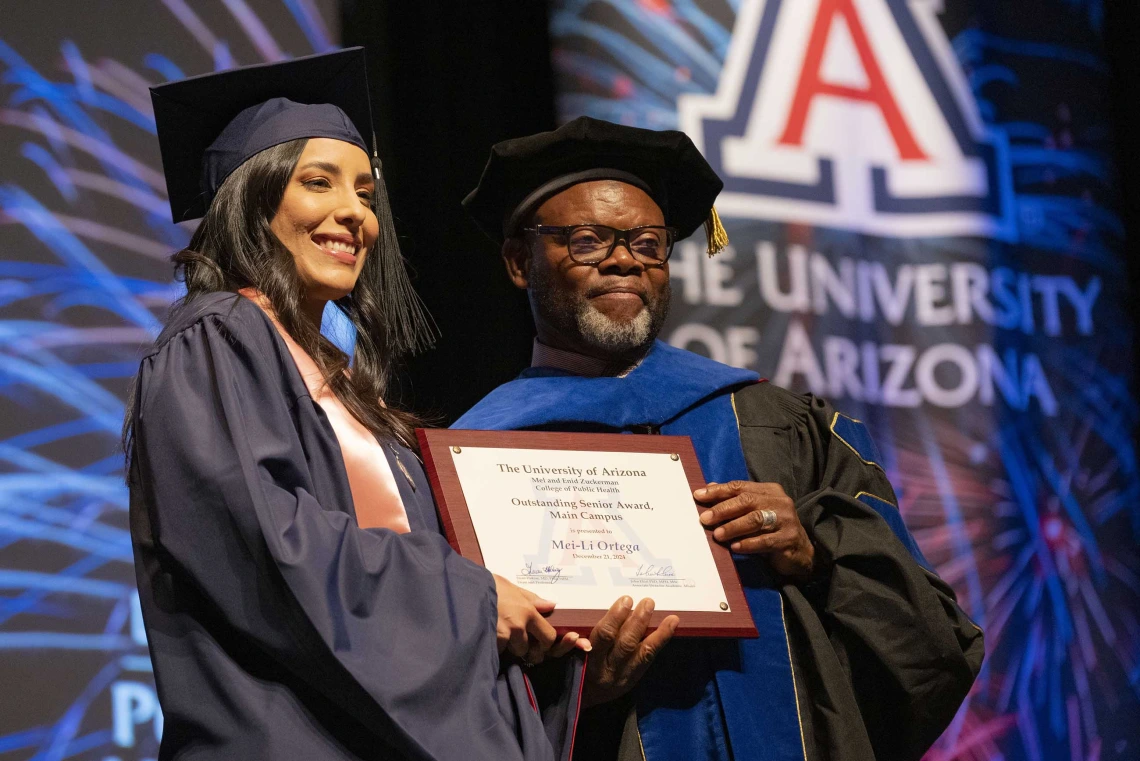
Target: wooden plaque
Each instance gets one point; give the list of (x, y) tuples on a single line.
[(441, 446)]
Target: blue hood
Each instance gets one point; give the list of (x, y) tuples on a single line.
[(665, 384)]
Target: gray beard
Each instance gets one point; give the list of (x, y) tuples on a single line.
[(573, 315), (610, 335)]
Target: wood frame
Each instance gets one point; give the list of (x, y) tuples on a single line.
[(435, 444)]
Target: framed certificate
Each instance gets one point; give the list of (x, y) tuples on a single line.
[(584, 518)]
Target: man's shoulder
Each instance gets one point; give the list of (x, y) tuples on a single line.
[(766, 405), (769, 405)]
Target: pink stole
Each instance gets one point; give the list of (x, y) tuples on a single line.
[(375, 495)]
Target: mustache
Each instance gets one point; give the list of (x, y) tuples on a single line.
[(618, 288)]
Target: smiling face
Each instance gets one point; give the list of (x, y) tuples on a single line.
[(612, 310), (326, 218)]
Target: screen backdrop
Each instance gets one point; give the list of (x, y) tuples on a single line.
[(920, 199), (85, 236)]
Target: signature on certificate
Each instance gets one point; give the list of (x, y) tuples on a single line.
[(654, 570), (552, 572)]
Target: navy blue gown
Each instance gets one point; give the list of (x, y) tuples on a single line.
[(278, 628)]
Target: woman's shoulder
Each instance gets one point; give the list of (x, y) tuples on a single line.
[(242, 321), (219, 334)]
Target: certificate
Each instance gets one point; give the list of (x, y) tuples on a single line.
[(582, 519)]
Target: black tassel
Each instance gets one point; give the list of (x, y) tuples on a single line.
[(410, 328)]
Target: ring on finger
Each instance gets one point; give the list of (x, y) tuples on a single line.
[(767, 519)]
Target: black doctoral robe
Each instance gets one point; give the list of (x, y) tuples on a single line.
[(869, 662), (278, 628)]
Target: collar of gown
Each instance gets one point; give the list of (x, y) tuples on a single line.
[(375, 493), (577, 364), (667, 382)]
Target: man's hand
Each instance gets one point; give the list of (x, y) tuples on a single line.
[(758, 519), (621, 651)]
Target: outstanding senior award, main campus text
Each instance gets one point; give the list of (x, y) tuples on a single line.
[(582, 519)]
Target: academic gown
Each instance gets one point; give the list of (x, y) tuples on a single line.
[(278, 628), (868, 660)]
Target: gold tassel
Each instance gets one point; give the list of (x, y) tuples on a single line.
[(715, 233)]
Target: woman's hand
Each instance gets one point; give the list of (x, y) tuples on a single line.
[(522, 628)]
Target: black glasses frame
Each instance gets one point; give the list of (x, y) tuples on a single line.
[(619, 235)]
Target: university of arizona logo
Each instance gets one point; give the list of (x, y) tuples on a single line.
[(852, 114)]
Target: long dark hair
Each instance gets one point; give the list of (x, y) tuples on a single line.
[(235, 248)]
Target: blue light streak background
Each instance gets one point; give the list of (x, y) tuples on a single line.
[(85, 236)]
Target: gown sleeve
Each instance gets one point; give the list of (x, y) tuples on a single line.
[(879, 634), (397, 630)]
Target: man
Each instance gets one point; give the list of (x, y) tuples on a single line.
[(863, 652)]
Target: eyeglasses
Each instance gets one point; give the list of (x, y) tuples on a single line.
[(592, 244)]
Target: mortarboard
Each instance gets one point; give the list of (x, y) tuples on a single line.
[(210, 124), (523, 172)]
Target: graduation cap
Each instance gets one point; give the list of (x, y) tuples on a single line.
[(523, 172), (209, 125)]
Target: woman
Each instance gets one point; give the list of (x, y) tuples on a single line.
[(299, 599)]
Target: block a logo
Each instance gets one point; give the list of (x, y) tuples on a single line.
[(852, 114)]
